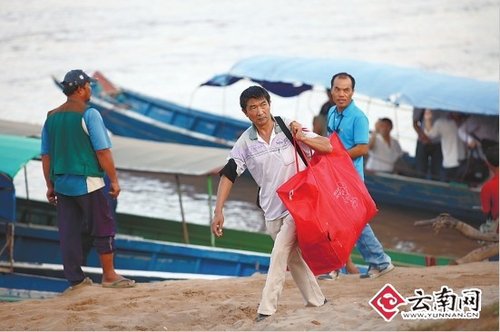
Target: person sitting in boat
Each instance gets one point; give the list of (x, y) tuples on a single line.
[(384, 149), (452, 147)]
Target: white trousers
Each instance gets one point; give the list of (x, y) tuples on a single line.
[(286, 253)]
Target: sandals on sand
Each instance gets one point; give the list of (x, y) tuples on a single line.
[(85, 282), (120, 283)]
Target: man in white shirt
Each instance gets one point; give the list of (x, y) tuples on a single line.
[(384, 150), (452, 147), (269, 156)]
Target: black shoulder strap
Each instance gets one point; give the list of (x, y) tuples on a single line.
[(288, 134)]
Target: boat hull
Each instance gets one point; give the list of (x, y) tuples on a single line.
[(168, 230), (456, 199), (37, 244), (131, 114)]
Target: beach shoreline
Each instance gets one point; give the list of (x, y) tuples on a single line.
[(231, 304)]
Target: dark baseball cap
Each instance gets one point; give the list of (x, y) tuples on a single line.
[(75, 78)]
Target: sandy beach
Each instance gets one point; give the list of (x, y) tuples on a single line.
[(230, 304)]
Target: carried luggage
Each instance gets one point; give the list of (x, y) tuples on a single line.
[(330, 205)]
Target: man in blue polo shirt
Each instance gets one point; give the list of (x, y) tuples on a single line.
[(76, 154), (351, 124)]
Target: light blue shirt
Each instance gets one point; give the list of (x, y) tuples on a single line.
[(352, 127), (76, 185)]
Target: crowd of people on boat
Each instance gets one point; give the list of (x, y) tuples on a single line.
[(450, 145)]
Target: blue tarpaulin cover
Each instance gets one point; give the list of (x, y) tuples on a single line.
[(399, 85), (15, 152)]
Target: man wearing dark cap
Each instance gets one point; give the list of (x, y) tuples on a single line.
[(76, 155)]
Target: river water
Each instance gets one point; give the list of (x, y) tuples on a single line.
[(167, 48)]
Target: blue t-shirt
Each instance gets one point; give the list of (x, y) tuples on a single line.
[(352, 127), (76, 185)]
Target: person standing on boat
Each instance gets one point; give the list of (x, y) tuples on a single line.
[(453, 149), (351, 124), (269, 156), (76, 154), (428, 155)]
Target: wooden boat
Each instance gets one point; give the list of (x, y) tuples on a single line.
[(36, 212), (398, 87), (17, 286), (42, 213), (43, 280), (131, 114), (27, 242), (40, 244), (179, 247)]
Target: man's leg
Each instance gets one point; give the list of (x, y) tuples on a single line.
[(371, 250), (69, 222), (103, 228), (421, 160), (108, 267), (350, 267), (436, 155), (301, 273), (87, 243), (283, 245)]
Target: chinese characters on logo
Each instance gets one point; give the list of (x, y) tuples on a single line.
[(442, 304)]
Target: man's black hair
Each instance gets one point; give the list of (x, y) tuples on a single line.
[(256, 92), (69, 90), (343, 75), (387, 120)]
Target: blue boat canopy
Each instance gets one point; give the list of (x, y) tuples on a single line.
[(128, 153), (290, 76), (16, 151)]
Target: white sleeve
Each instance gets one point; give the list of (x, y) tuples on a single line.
[(463, 133), (307, 132)]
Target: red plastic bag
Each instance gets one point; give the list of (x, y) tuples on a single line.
[(330, 205)]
